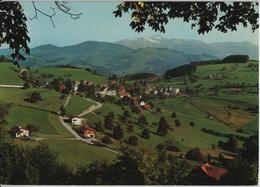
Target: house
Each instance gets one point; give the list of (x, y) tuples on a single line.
[(212, 171), (62, 88), (76, 121), (121, 89), (147, 107), (87, 132), (19, 132), (176, 90), (124, 94), (142, 103), (106, 92)]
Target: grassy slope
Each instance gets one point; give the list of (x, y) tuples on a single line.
[(187, 136), (8, 74), (77, 153), (76, 105), (69, 73)]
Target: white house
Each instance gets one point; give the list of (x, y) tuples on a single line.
[(107, 92), (19, 132), (176, 90), (76, 121), (142, 103)]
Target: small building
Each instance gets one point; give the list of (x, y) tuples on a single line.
[(147, 107), (76, 121), (19, 132), (212, 171), (62, 88), (124, 94), (87, 132), (142, 103), (176, 90)]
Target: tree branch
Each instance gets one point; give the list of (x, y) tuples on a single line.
[(61, 6), (36, 10)]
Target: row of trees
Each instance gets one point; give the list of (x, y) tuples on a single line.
[(133, 165)]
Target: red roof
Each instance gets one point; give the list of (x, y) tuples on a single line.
[(213, 171), (147, 107), (122, 94), (84, 129), (62, 87)]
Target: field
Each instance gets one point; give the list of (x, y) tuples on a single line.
[(67, 73), (43, 115), (9, 74), (207, 110), (76, 105), (197, 109)]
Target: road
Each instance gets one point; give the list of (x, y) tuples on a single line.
[(66, 125), (90, 109), (10, 86)]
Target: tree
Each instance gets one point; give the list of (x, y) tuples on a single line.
[(192, 124), (195, 154), (118, 132), (177, 123), (106, 140), (99, 126), (142, 120), (232, 144), (62, 111), (26, 85), (173, 115), (163, 127), (109, 122), (205, 16), (35, 96), (146, 133), (32, 128), (133, 140)]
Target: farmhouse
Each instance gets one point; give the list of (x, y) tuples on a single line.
[(106, 92), (62, 88), (176, 90), (212, 171), (76, 121), (87, 131), (147, 107), (19, 132)]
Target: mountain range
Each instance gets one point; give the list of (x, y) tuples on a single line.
[(152, 55), (217, 49)]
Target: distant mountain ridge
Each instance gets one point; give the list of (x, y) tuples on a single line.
[(217, 49), (110, 58)]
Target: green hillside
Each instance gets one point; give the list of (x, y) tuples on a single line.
[(109, 58), (9, 74), (66, 73)]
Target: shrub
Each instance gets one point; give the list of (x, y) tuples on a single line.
[(195, 154), (118, 132), (177, 123), (192, 124), (106, 140), (146, 133), (173, 115), (133, 140)]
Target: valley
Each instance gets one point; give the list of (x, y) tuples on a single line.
[(221, 103)]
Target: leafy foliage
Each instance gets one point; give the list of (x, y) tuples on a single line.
[(13, 30), (204, 16)]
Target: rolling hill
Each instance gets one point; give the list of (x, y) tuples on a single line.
[(108, 58), (218, 49)]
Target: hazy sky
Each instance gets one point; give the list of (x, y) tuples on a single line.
[(99, 24)]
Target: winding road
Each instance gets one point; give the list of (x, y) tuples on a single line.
[(90, 109)]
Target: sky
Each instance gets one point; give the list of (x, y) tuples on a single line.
[(97, 23)]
